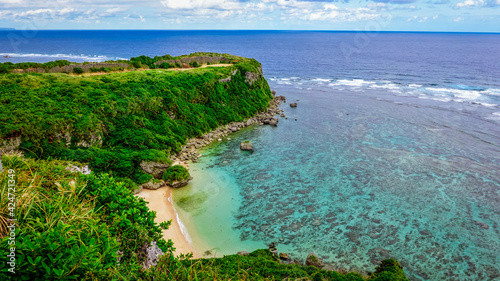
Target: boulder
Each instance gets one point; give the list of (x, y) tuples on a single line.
[(293, 104), (243, 253), (273, 121), (155, 169), (284, 257), (153, 185), (314, 260), (178, 184), (246, 145)]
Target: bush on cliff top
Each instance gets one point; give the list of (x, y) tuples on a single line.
[(175, 173)]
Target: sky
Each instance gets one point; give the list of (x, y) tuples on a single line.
[(361, 15)]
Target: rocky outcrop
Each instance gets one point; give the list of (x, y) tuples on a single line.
[(272, 248), (313, 260), (178, 184), (246, 145), (251, 77), (153, 185), (85, 170), (10, 145), (243, 253), (225, 80), (155, 169), (293, 104), (151, 254), (285, 257)]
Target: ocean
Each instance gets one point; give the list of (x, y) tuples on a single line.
[(393, 150)]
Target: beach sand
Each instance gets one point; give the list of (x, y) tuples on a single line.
[(160, 201)]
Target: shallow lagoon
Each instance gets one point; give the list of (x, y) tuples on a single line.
[(359, 177)]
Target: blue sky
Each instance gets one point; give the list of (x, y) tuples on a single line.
[(363, 15)]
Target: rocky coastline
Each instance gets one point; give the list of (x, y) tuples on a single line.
[(190, 152)]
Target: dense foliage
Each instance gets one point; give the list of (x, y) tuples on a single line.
[(8, 66), (71, 226), (127, 117), (175, 173)]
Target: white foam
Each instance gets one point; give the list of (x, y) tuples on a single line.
[(435, 98), (320, 80), (492, 92), (61, 56), (463, 94), (352, 83), (488, 104), (183, 229)]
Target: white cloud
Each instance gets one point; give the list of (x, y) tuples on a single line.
[(135, 18), (424, 19), (10, 2), (435, 17), (199, 4), (458, 19), (471, 3)]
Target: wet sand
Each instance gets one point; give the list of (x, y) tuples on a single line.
[(160, 201)]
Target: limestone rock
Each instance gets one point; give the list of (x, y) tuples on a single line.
[(284, 257), (152, 254), (293, 104), (246, 145), (314, 260), (273, 121), (153, 185), (155, 169), (85, 170), (178, 184)]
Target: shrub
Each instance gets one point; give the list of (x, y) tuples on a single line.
[(165, 65), (389, 270), (195, 64), (175, 173), (78, 70)]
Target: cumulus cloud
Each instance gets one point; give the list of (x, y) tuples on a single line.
[(396, 1), (470, 3)]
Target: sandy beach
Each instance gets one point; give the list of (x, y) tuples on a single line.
[(160, 201)]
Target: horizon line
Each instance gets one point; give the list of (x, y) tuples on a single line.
[(294, 30)]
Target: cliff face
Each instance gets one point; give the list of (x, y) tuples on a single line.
[(116, 121)]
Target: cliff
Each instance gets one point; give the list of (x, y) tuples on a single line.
[(119, 120)]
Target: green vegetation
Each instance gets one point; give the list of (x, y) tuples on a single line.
[(175, 173), (71, 226), (78, 70), (144, 62), (125, 118), (91, 227), (8, 66)]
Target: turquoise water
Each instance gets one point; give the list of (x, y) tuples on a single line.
[(360, 176)]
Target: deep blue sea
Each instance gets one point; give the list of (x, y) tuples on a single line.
[(395, 150)]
